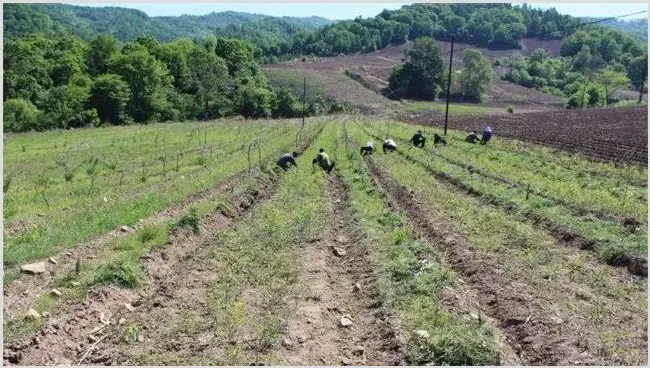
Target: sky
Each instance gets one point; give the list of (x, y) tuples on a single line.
[(339, 10)]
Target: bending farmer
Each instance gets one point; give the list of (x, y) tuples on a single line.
[(389, 145), (487, 134), (438, 140), (323, 160), (285, 161), (368, 149), (418, 139), (472, 137)]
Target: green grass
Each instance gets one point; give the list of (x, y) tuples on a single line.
[(612, 239), (557, 275), (455, 109), (294, 81), (35, 229), (412, 277), (258, 267)]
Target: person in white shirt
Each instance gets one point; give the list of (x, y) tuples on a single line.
[(389, 145), (368, 149)]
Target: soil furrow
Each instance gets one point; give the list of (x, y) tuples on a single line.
[(573, 208), (20, 295), (65, 338), (340, 289), (528, 326)]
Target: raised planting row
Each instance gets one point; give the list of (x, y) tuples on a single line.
[(614, 242), (600, 188), (438, 320), (558, 305), (230, 303), (128, 270), (83, 221), (45, 180), (133, 269)]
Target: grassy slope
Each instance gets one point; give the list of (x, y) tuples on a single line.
[(584, 294)]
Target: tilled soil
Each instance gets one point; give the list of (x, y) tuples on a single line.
[(340, 289), (528, 327), (86, 332), (23, 293), (614, 134)]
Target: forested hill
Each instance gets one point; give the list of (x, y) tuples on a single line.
[(129, 24), (636, 27)]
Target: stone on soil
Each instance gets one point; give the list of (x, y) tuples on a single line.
[(53, 261), (33, 314), (346, 321), (55, 292), (124, 229), (340, 252), (33, 268), (356, 288)]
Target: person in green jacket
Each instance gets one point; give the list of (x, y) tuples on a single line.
[(323, 160)]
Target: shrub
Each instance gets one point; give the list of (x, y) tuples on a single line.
[(124, 273), (190, 220), (510, 109)]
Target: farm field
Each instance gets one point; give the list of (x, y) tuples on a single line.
[(613, 134), (326, 76), (509, 253)]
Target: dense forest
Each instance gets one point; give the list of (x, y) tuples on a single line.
[(636, 27), (67, 82), (69, 66), (128, 24)]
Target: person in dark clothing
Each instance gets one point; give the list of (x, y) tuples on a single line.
[(438, 140), (487, 134), (389, 145), (418, 139), (472, 137), (285, 161), (368, 149), (323, 160)]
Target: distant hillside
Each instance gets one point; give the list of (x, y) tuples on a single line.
[(128, 24), (636, 27)]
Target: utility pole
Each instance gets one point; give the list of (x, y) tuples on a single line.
[(304, 99), (451, 57), (645, 70)]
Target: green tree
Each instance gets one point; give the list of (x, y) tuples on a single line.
[(208, 75), (423, 73), (285, 104), (102, 48), (254, 102), (110, 96), (477, 74), (19, 115), (148, 80), (612, 81)]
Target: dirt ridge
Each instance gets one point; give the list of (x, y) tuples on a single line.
[(66, 337), (341, 283), (528, 327)]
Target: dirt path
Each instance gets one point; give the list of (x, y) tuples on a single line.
[(339, 283), (74, 335), (528, 326)]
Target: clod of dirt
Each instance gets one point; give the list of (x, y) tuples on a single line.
[(32, 314), (346, 361), (46, 314), (342, 239), (33, 268), (124, 229), (287, 343), (356, 288), (346, 321), (557, 320), (422, 334), (358, 350), (53, 261), (302, 339), (631, 224), (339, 252), (55, 292)]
